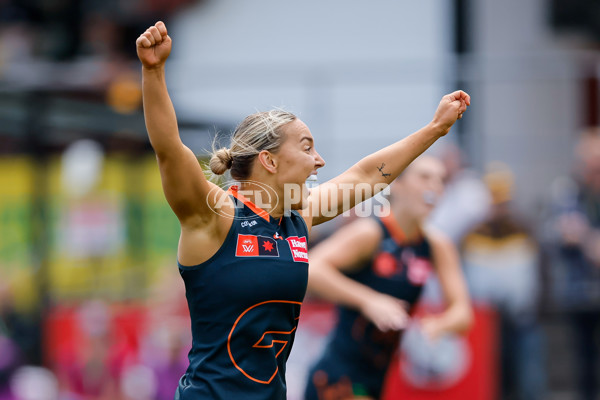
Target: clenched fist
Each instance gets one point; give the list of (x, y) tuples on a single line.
[(451, 108), (154, 46)]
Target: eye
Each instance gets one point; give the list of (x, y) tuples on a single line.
[(307, 149)]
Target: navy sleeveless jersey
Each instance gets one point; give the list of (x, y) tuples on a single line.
[(244, 306), (358, 354)]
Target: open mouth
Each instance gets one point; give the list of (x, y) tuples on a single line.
[(430, 198), (311, 182)]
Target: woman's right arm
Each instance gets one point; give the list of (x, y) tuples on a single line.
[(191, 196), (347, 250)]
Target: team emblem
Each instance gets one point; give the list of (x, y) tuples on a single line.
[(255, 246), (259, 356)]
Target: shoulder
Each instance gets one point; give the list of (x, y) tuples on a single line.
[(223, 209), (444, 254), (350, 246), (364, 227), (437, 239), (362, 235)]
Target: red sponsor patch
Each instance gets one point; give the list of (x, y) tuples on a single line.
[(299, 248), (418, 270), (385, 265), (254, 246), (247, 246)]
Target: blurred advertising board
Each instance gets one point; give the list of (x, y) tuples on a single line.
[(111, 241), (16, 263), (453, 367)]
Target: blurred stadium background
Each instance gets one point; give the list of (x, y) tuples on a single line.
[(91, 305)]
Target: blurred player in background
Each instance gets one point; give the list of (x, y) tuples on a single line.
[(374, 270), (244, 259)]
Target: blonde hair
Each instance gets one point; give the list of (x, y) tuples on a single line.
[(257, 132)]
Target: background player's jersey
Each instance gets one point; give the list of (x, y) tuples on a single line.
[(244, 305), (358, 353)]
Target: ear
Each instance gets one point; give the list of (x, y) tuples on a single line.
[(268, 161)]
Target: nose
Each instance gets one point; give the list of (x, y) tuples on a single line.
[(319, 162)]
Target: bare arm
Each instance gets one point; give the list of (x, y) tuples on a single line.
[(185, 186), (458, 315), (373, 173), (348, 250)]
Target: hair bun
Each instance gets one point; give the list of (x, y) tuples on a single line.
[(221, 161)]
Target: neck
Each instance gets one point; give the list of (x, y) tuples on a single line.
[(410, 226)]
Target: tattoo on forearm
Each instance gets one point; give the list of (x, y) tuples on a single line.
[(381, 170)]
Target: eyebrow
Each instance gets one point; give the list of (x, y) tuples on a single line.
[(307, 138)]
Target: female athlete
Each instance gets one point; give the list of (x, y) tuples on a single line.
[(243, 251), (374, 270)]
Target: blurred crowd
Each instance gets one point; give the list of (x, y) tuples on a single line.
[(72, 30), (99, 349), (77, 46)]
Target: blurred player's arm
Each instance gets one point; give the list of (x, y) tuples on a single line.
[(458, 315), (184, 184), (379, 169), (347, 250)]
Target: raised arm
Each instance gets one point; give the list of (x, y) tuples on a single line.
[(457, 317), (348, 250), (373, 173), (185, 186)]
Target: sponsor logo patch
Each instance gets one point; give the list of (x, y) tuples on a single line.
[(256, 246), (419, 270), (385, 265), (248, 224), (298, 248)]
